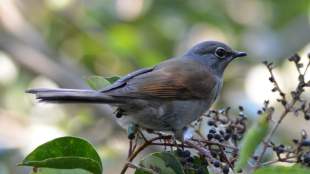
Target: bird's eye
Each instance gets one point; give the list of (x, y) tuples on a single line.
[(220, 52)]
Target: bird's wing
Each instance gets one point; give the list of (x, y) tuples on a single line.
[(181, 78)]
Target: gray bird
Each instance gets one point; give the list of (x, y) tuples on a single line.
[(166, 97)]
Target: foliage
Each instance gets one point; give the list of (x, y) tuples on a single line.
[(71, 152), (65, 153)]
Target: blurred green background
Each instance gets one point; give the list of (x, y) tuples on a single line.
[(54, 43)]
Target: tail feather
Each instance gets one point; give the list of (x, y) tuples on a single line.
[(71, 96)]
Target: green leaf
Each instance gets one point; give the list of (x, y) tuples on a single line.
[(281, 169), (170, 161), (112, 79), (251, 140), (58, 171), (65, 153), (154, 163), (97, 82), (173, 162)]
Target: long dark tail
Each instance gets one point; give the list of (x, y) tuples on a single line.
[(71, 96)]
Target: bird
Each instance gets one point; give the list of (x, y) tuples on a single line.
[(167, 97)]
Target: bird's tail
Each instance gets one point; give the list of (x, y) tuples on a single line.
[(47, 95)]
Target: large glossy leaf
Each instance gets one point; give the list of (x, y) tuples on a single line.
[(281, 169), (58, 171), (251, 140), (65, 153), (154, 163)]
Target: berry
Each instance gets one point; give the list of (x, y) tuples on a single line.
[(218, 136), (212, 131), (271, 79), (211, 122), (186, 153), (191, 159), (280, 150), (214, 154), (217, 163), (118, 115), (297, 57), (241, 121), (201, 170), (131, 136), (295, 141), (241, 108), (234, 136), (222, 132), (307, 159), (183, 160), (225, 170), (282, 145), (228, 130), (291, 58), (221, 139), (179, 151), (305, 142), (210, 136), (307, 116), (226, 137)]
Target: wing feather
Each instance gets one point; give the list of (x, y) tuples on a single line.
[(181, 78)]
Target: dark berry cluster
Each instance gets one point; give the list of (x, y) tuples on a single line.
[(187, 159), (214, 135)]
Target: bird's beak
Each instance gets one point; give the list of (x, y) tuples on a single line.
[(239, 54)]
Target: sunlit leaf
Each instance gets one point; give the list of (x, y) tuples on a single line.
[(112, 79), (65, 153), (251, 140), (97, 82)]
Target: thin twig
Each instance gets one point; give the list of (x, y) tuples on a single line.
[(216, 143), (282, 160), (135, 166), (284, 113)]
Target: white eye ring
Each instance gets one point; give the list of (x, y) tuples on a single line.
[(220, 52)]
